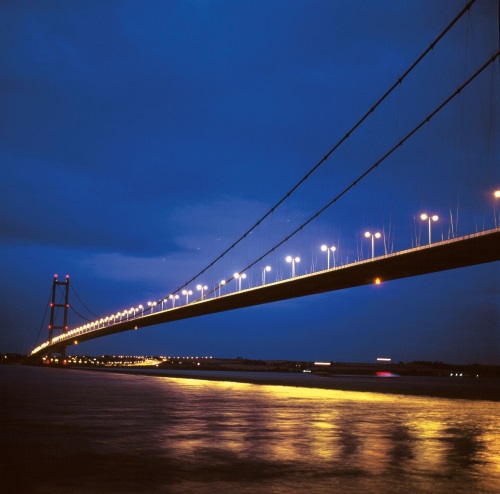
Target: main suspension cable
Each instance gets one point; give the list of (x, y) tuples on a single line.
[(375, 165), (81, 301), (334, 148), (78, 314)]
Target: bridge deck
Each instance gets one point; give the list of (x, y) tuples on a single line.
[(460, 252)]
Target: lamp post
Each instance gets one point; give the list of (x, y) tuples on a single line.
[(187, 293), (327, 249), (221, 284), (496, 195), (202, 288), (152, 305), (240, 277), (373, 236), (173, 298), (293, 260), (141, 308), (264, 271), (424, 217)]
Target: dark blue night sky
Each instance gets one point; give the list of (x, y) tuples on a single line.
[(138, 140)]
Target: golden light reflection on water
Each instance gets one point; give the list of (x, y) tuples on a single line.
[(128, 434), (352, 431)]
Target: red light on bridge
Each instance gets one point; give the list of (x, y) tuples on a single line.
[(50, 327), (55, 276)]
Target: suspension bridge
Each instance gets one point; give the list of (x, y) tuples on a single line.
[(456, 252)]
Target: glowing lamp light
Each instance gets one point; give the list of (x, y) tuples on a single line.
[(378, 281), (434, 217)]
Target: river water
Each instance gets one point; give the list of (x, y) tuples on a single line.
[(81, 432)]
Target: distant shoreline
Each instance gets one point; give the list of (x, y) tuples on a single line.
[(468, 388)]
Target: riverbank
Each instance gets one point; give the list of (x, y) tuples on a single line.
[(469, 388)]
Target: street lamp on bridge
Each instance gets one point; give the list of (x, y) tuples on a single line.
[(173, 298), (152, 305), (221, 284), (201, 288), (496, 195), (293, 260), (264, 271), (373, 236), (424, 217), (240, 277), (331, 249), (187, 293)]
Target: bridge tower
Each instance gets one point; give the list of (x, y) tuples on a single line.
[(54, 304)]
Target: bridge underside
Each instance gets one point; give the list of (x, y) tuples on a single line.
[(465, 251)]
